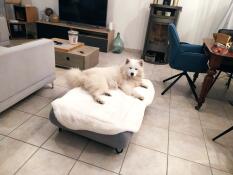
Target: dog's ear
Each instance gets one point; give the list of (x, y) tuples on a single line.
[(127, 61), (141, 62)]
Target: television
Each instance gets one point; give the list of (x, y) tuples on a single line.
[(93, 12)]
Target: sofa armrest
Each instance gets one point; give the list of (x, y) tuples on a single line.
[(24, 65), (4, 32)]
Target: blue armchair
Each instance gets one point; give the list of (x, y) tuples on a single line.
[(186, 58)]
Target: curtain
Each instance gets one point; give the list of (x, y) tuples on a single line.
[(227, 22), (200, 19)]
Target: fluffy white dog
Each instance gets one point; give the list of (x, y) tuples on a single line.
[(99, 81)]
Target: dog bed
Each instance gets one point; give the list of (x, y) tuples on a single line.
[(118, 118)]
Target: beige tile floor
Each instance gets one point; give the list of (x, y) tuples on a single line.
[(174, 138)]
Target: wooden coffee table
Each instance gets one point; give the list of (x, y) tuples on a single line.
[(82, 57)]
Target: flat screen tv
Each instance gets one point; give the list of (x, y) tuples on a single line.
[(93, 12)]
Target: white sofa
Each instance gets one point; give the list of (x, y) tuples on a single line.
[(4, 32), (24, 69)]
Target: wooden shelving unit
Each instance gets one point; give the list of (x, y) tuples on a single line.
[(156, 41), (24, 25)]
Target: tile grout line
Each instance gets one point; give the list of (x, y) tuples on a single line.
[(124, 156), (177, 132), (58, 153), (36, 115), (30, 116), (32, 113), (97, 166), (131, 144), (90, 163), (205, 144), (189, 161), (38, 148), (224, 171), (51, 98), (147, 148), (8, 135), (226, 114), (211, 167), (20, 140), (76, 160), (168, 131), (3, 137), (44, 107)]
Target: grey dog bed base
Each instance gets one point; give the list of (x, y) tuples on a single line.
[(118, 141)]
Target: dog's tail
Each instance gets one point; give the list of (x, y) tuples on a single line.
[(75, 77)]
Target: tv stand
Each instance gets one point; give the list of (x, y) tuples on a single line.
[(83, 25), (90, 35)]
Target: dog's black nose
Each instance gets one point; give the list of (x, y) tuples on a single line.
[(132, 74)]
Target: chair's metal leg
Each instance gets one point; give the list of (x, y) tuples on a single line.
[(52, 85), (180, 75), (172, 77), (195, 76), (223, 133), (229, 81), (192, 86), (231, 103)]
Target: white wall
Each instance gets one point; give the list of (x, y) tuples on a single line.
[(198, 19), (201, 18), (42, 4), (130, 18)]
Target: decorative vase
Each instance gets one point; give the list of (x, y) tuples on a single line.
[(118, 44)]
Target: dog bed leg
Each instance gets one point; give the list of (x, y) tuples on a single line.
[(118, 151), (60, 129)]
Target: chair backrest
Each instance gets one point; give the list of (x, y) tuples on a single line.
[(174, 44)]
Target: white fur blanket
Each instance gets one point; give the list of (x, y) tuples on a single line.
[(78, 111)]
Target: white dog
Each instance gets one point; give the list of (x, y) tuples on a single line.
[(98, 81)]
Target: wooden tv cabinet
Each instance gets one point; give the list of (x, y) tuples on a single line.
[(91, 36)]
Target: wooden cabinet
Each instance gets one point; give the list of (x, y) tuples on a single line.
[(26, 14), (156, 41)]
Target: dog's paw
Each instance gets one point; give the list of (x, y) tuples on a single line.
[(144, 86), (100, 101), (140, 98), (107, 94)]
